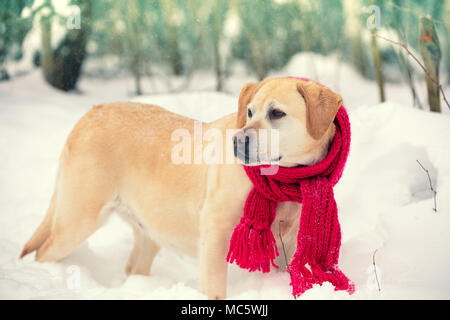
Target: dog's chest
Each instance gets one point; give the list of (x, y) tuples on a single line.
[(288, 213)]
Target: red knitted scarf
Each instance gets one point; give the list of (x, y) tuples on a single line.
[(253, 245)]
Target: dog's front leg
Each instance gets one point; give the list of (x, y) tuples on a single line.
[(214, 236)]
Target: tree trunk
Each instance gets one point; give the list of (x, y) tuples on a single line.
[(216, 46), (172, 29), (353, 27), (137, 83), (447, 26), (175, 56), (47, 58), (62, 66), (378, 63), (134, 40), (403, 60), (431, 55)]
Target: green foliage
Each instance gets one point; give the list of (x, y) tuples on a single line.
[(272, 33), (181, 36), (405, 15), (13, 29)]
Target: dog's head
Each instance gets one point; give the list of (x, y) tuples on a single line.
[(302, 112)]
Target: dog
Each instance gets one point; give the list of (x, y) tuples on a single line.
[(118, 159)]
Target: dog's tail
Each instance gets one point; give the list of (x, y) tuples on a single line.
[(42, 232)]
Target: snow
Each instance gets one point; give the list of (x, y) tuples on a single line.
[(385, 202)]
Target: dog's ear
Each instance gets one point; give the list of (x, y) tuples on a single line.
[(246, 95), (322, 104)]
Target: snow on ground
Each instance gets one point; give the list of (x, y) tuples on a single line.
[(384, 197)]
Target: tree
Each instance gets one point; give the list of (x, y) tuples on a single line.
[(406, 68), (353, 27), (62, 66), (431, 54), (260, 43), (377, 61), (171, 21), (217, 20), (13, 29), (447, 26), (135, 40)]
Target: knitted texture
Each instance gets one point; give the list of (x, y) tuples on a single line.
[(252, 244)]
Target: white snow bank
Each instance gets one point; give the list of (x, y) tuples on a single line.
[(384, 200)]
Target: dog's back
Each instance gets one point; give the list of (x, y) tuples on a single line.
[(112, 152)]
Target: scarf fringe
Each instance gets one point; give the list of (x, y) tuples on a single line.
[(252, 248), (303, 279)]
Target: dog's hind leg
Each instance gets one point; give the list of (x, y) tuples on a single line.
[(144, 250), (83, 201), (72, 225)]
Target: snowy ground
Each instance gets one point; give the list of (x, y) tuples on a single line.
[(384, 197)]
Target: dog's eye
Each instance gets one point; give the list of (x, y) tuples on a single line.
[(250, 114), (276, 114)]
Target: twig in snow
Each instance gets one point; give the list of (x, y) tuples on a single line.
[(284, 252), (431, 185), (375, 269), (404, 46)]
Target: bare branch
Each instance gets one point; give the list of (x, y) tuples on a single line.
[(284, 252), (431, 185), (375, 269), (404, 46)]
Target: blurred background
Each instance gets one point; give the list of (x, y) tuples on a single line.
[(166, 45)]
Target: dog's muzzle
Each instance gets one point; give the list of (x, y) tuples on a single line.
[(241, 147), (245, 147)]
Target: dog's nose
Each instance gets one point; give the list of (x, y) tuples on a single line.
[(235, 145), (241, 142)]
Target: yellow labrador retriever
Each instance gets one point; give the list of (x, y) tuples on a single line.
[(119, 157)]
